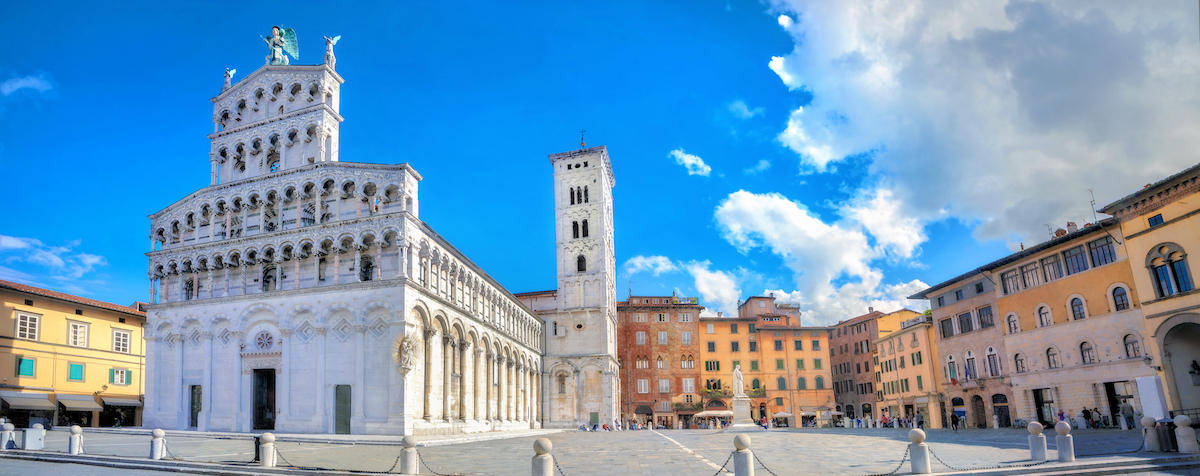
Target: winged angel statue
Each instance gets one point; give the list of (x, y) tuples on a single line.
[(282, 40)]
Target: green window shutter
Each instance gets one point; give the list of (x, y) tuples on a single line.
[(25, 367), (76, 371), (128, 377), (112, 375)]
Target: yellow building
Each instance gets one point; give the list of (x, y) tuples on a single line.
[(785, 366), (69, 360), (1159, 225), (907, 373)]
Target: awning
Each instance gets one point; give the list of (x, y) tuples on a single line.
[(122, 402), (644, 410), (782, 415), (79, 403), (714, 413), (28, 401)]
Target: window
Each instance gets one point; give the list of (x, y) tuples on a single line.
[(753, 365), (755, 383), (689, 385), (801, 384), (734, 346), (77, 334), (712, 384), (585, 229), (1087, 353), (779, 400), (947, 327), (120, 341), (662, 317), (1011, 282), (1168, 268), (753, 346), (820, 382), (817, 366), (712, 346), (797, 344), (778, 364), (639, 317), (1076, 260), (686, 338), (778, 344), (685, 317), (985, 317), (641, 337), (1133, 348), (26, 367), (781, 383), (1102, 251), (580, 263), (1155, 220), (574, 229), (664, 385), (1044, 318), (1014, 325), (1052, 358), (708, 328), (562, 384), (816, 345), (733, 328), (917, 359), (643, 385), (27, 326), (958, 295), (662, 337), (75, 372), (712, 365), (920, 385), (687, 363), (951, 368), (1077, 310), (120, 376), (1019, 363), (1120, 298), (643, 363), (660, 363), (1051, 268), (1029, 274), (964, 323), (993, 363), (969, 371), (979, 287), (799, 364)]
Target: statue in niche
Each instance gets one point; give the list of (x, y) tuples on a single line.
[(282, 40)]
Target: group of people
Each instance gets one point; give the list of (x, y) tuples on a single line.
[(1092, 418)]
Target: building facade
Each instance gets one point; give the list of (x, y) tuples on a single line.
[(1159, 224), (659, 345), (852, 356), (976, 383), (69, 360), (304, 294), (907, 373)]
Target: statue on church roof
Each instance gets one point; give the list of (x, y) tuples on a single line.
[(282, 40), (228, 78), (330, 60)]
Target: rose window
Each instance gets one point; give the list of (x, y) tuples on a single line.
[(264, 340)]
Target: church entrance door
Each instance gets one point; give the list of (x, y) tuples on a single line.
[(264, 399), (341, 409), (194, 407)]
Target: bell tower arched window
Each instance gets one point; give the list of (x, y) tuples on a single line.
[(574, 229), (572, 196), (585, 229), (585, 194), (580, 264)]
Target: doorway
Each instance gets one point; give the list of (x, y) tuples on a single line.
[(197, 393), (1000, 408), (1116, 393), (980, 413), (264, 399), (341, 409), (1043, 401)]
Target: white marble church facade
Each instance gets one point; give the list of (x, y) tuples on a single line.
[(299, 293)]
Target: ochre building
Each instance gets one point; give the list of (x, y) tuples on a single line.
[(907, 374)]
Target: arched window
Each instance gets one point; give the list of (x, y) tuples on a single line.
[(993, 363), (572, 196), (1052, 360), (585, 194), (579, 193), (1120, 298), (951, 368), (1014, 324), (755, 384), (585, 230), (1169, 270), (969, 371), (1077, 309), (1087, 353), (574, 229), (1019, 363), (366, 269), (1044, 318), (1133, 348), (781, 382), (580, 263), (562, 383), (801, 384)]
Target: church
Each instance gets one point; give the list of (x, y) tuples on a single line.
[(301, 293)]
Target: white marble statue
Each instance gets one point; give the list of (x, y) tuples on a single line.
[(739, 389)]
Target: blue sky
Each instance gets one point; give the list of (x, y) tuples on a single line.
[(841, 158)]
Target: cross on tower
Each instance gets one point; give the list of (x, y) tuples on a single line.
[(582, 144)]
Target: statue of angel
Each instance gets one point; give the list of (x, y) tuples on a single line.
[(329, 42), (228, 78), (282, 40)]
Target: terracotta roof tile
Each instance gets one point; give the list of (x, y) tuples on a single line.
[(25, 288)]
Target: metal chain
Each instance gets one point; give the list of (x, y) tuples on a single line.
[(1139, 449), (898, 465), (395, 464), (998, 466), (557, 467), (281, 458), (722, 468), (760, 463), (426, 465), (167, 449)]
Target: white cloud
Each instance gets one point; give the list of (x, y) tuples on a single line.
[(1010, 110), (892, 228), (36, 83), (656, 265), (61, 263), (740, 110), (785, 21), (760, 167), (694, 164), (718, 289)]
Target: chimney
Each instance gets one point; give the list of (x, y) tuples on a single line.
[(870, 309), (1059, 232), (1072, 227), (720, 314)]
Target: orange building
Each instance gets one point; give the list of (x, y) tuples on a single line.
[(784, 364), (658, 345), (851, 353), (908, 373)]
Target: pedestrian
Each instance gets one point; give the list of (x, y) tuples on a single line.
[(1062, 416), (920, 421), (954, 421), (1096, 420), (1127, 414), (1087, 418)]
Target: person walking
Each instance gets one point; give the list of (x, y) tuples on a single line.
[(1127, 414), (1087, 418), (921, 421), (954, 421)]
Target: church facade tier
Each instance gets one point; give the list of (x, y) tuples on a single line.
[(298, 293)]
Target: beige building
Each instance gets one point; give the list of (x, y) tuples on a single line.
[(1159, 224), (907, 373), (975, 383)]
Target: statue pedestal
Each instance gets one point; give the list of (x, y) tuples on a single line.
[(742, 423)]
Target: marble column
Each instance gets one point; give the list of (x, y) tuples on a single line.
[(322, 391), (430, 335), (510, 381), (501, 391), (488, 381), (447, 374), (463, 347), (358, 395), (357, 263), (478, 376), (207, 387), (379, 260)]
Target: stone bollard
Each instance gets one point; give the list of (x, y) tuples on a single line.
[(157, 443), (743, 458), (543, 461), (1149, 434), (1121, 420), (34, 438), (996, 422), (266, 451), (75, 441), (6, 437), (1037, 442), (918, 452), (1065, 442), (1186, 435), (408, 457)]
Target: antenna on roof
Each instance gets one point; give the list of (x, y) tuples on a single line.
[(1050, 231), (1093, 206), (582, 144)]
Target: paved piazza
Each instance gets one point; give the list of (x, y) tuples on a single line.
[(687, 452)]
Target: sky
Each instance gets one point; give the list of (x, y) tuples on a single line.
[(841, 155)]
